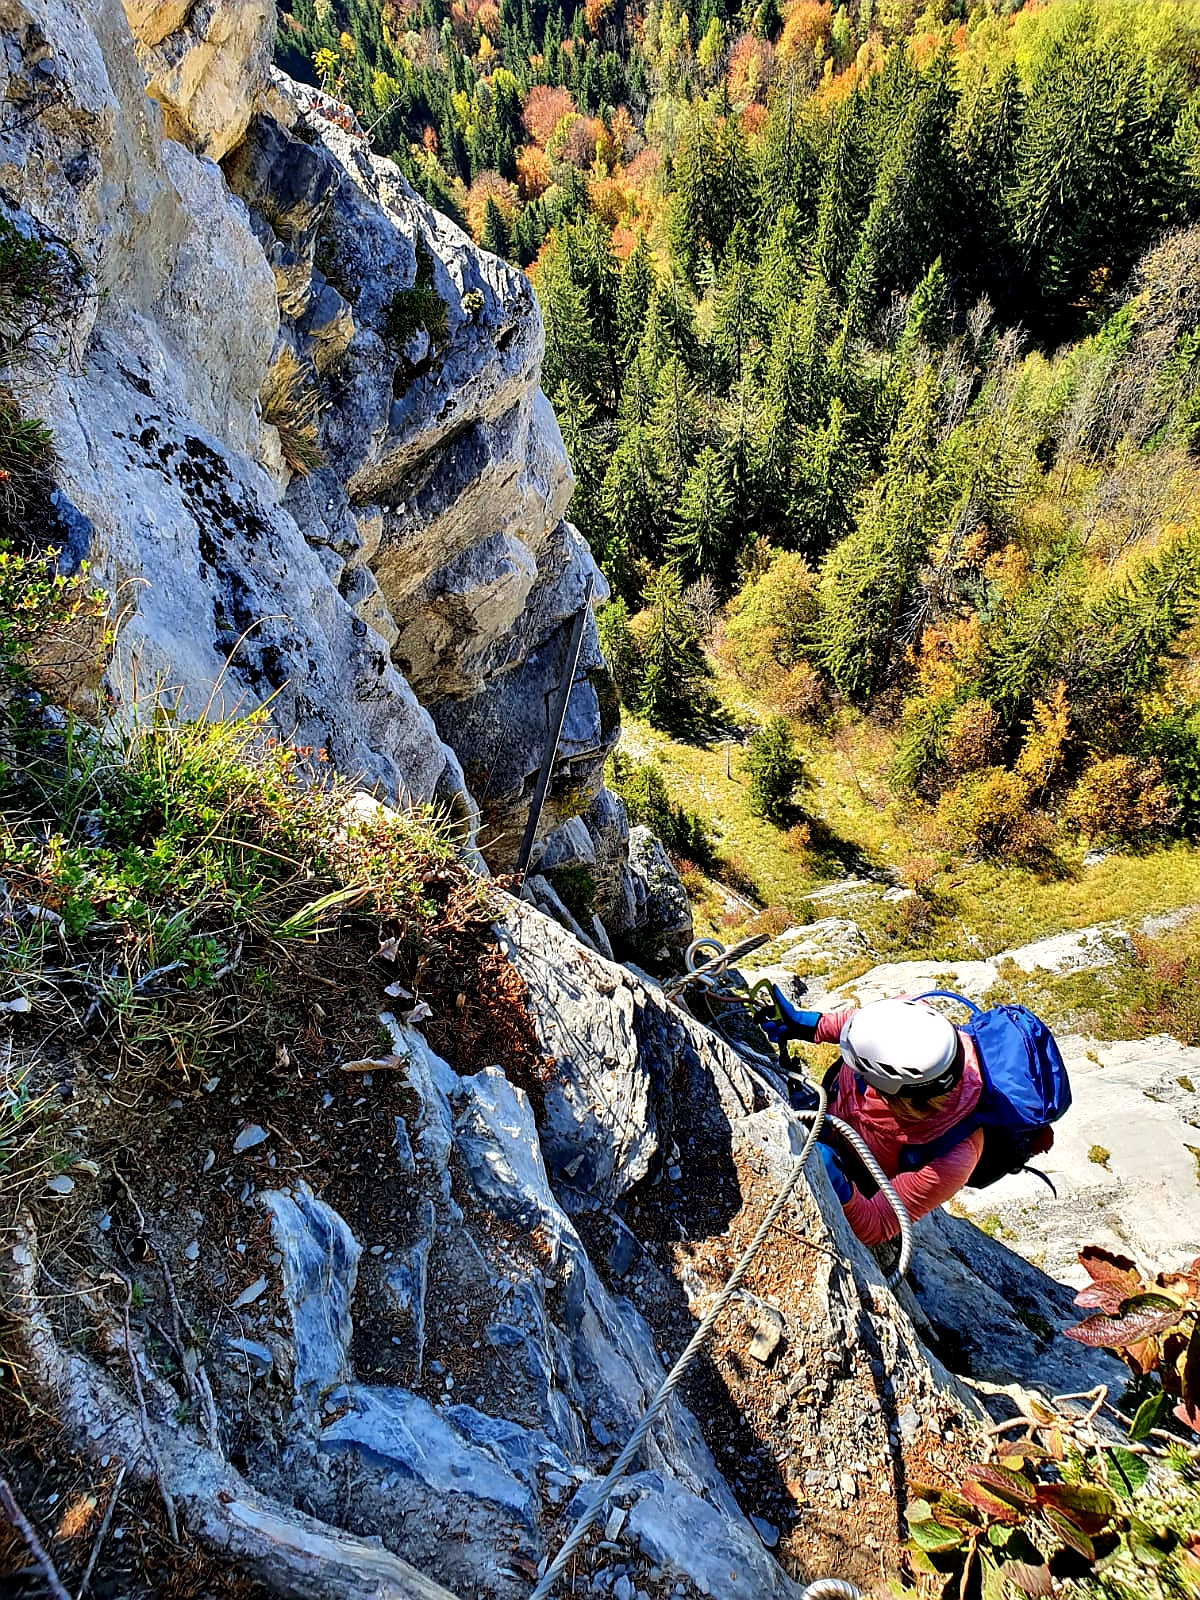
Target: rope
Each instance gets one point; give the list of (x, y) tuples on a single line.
[(822, 1588), (675, 1377), (893, 1199)]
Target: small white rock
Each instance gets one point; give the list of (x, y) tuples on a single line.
[(248, 1296)]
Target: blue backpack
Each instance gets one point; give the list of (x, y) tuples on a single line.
[(1025, 1089)]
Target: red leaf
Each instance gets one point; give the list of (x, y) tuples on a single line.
[(1012, 1486), (1114, 1278), (1190, 1371), (1023, 1575), (1115, 1333), (1190, 1419), (990, 1504)]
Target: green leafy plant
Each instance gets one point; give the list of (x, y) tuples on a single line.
[(420, 306), (1068, 1505)]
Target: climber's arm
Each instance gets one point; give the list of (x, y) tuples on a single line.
[(788, 1021), (930, 1186)]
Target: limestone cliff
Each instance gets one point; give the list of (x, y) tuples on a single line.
[(300, 436)]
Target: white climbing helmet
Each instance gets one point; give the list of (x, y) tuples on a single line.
[(900, 1046)]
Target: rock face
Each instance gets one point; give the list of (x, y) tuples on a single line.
[(205, 61), (397, 577), (447, 1346)]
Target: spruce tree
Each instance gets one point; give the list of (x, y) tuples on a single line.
[(775, 771), (675, 427), (675, 670), (634, 294), (493, 235), (703, 543)]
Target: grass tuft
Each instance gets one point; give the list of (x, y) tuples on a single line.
[(291, 404), (173, 888)]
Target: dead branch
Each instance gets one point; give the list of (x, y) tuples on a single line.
[(102, 1531), (147, 1434)]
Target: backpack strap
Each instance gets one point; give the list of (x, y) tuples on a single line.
[(919, 1155), (949, 994)]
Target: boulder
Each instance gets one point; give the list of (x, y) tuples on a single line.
[(205, 63), (663, 918)]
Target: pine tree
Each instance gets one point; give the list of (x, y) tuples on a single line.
[(586, 446), (631, 500), (572, 353), (1096, 176), (737, 321), (703, 542), (865, 581), (634, 294), (775, 771), (675, 670), (493, 235), (675, 427)]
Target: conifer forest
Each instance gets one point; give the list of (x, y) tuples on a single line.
[(873, 332)]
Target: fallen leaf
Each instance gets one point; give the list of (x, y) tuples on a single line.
[(388, 1064), (388, 950), (397, 991), (421, 1012)]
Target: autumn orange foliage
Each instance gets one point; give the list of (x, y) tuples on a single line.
[(489, 186), (806, 26), (545, 108), (750, 63), (533, 171), (753, 119)]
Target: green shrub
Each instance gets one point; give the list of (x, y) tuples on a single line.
[(1174, 742), (621, 651), (640, 785), (922, 746), (770, 622), (576, 888), (420, 306), (775, 771), (41, 286)]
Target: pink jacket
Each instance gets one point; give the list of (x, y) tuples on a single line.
[(870, 1115)]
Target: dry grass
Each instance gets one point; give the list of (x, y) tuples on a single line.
[(291, 403)]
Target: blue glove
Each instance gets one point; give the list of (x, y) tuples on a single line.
[(789, 1022), (839, 1182)]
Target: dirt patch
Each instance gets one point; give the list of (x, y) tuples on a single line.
[(480, 1001)]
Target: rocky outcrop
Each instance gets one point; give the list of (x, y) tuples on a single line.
[(300, 434), (205, 63), (447, 1347)]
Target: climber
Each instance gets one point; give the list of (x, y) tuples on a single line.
[(908, 1077)]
